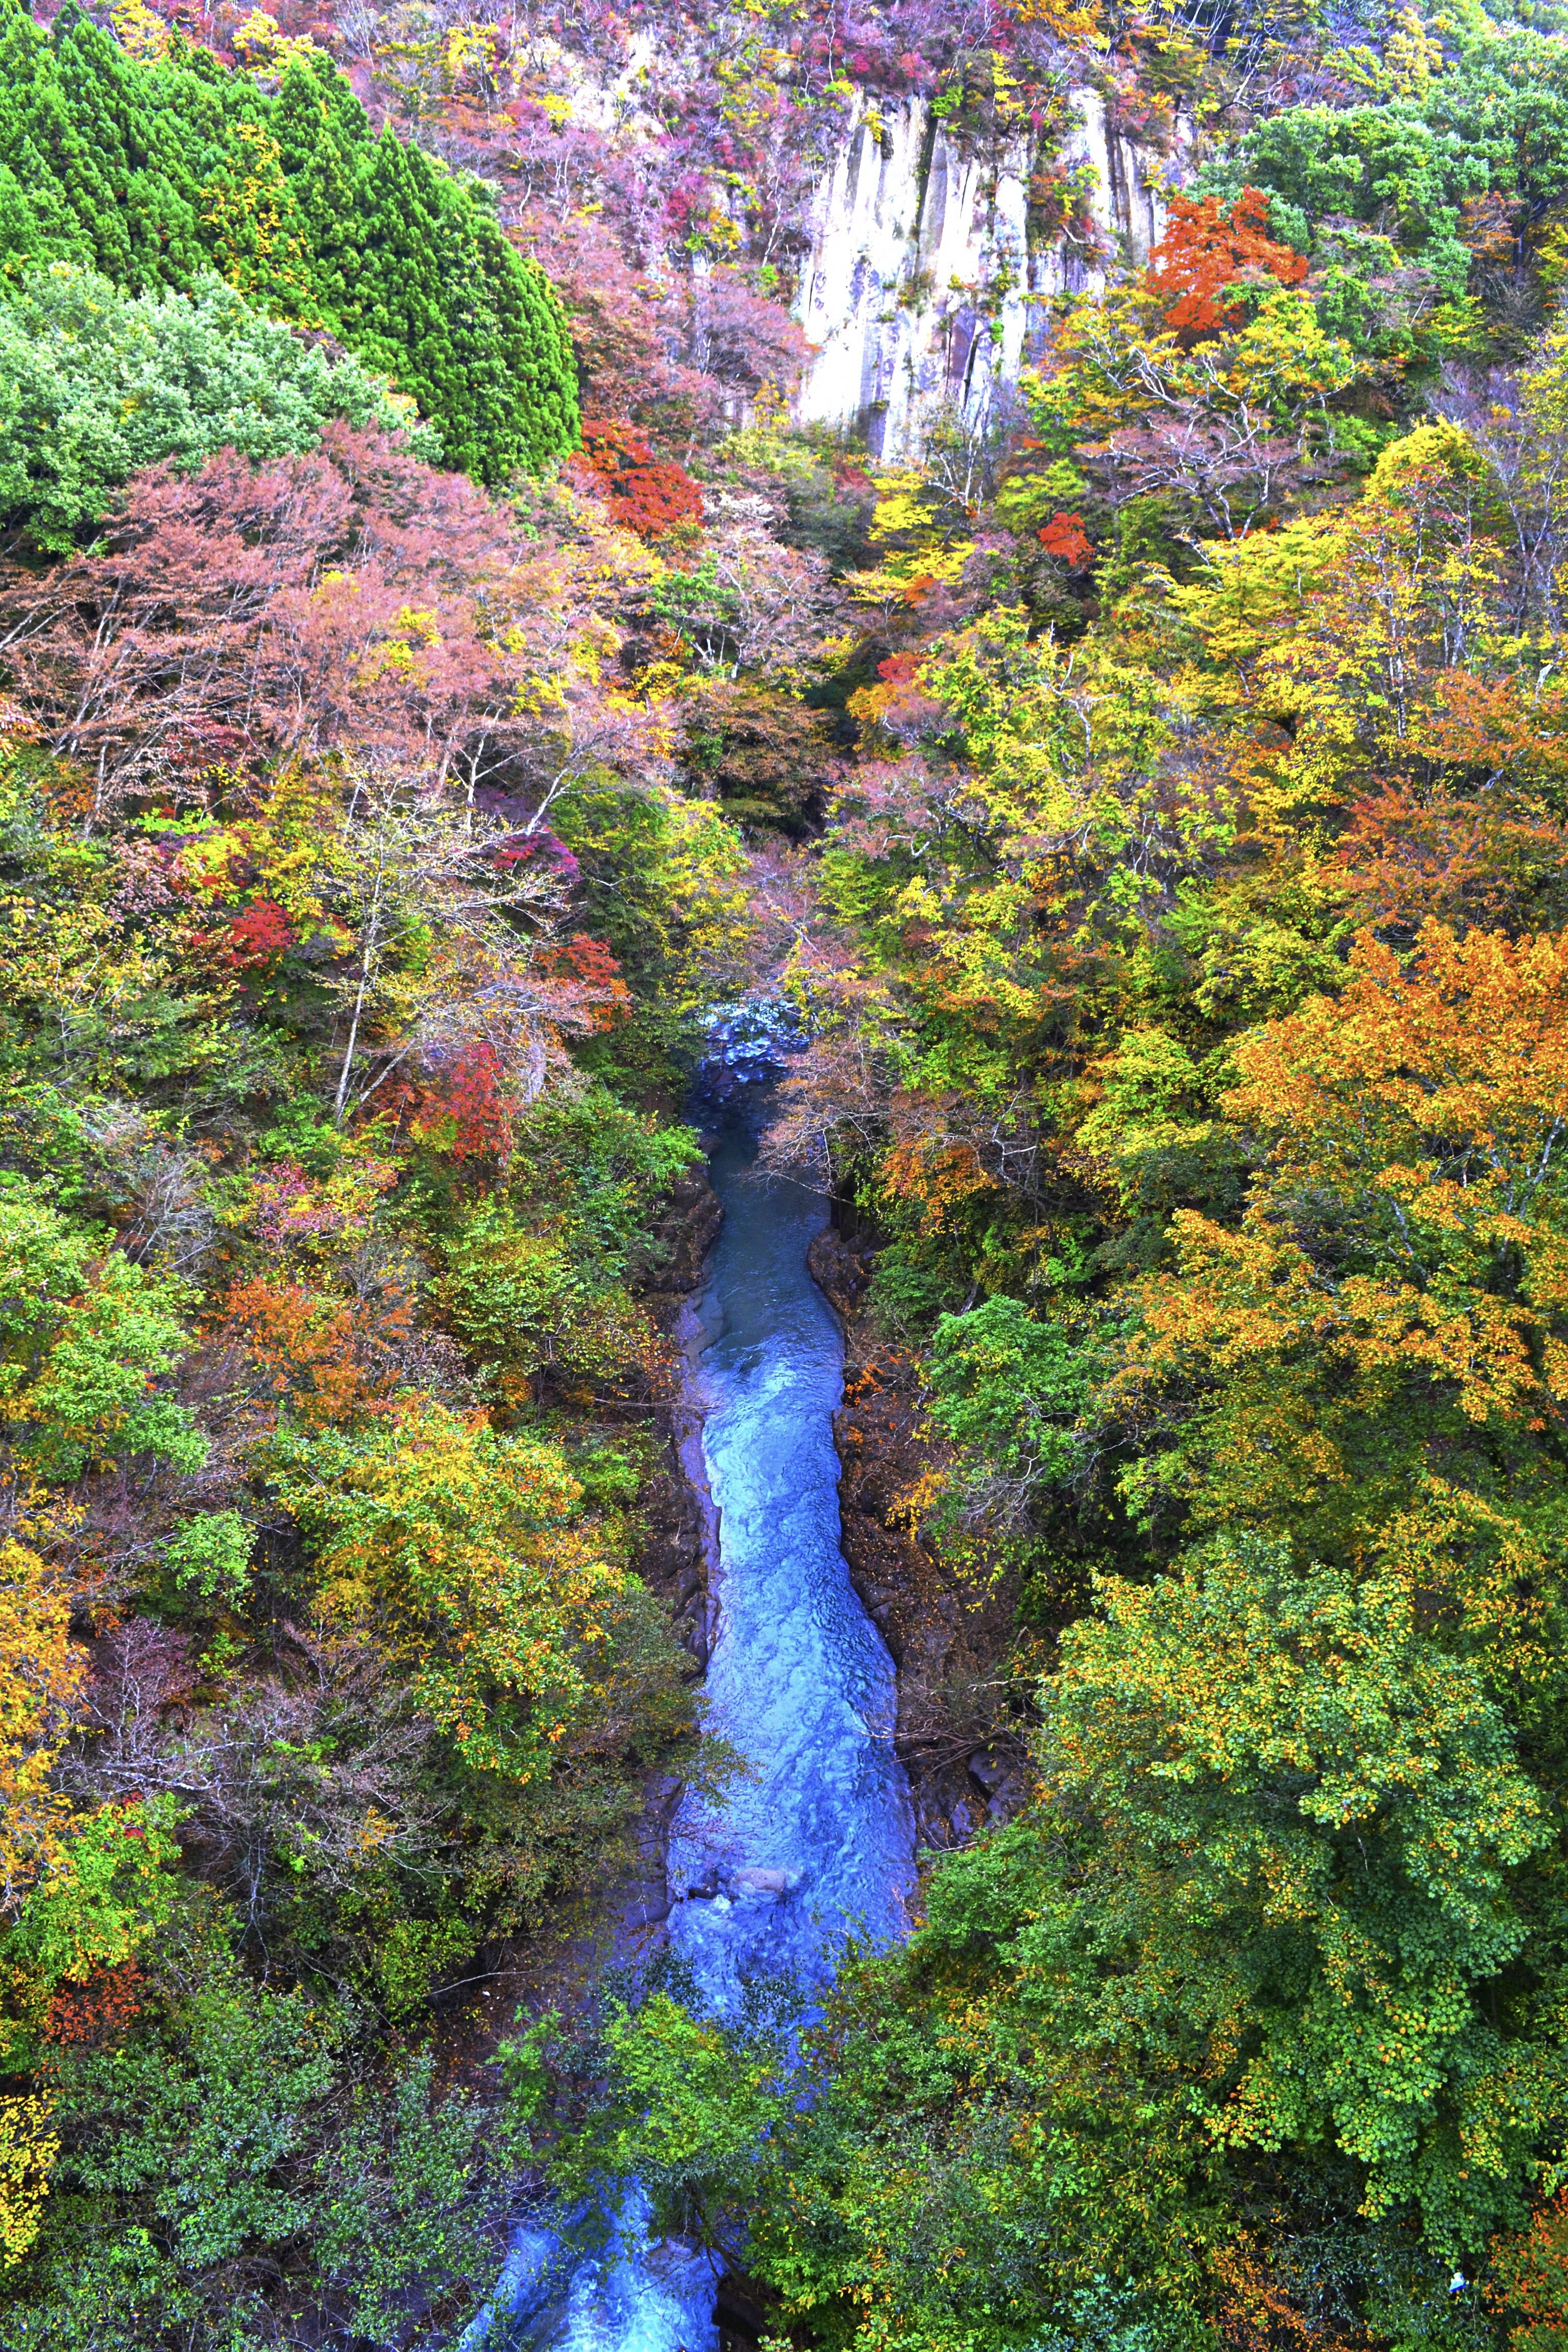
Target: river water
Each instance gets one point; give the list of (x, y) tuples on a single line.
[(818, 1840)]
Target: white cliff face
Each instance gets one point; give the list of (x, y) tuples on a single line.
[(921, 294)]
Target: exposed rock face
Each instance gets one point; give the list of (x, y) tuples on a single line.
[(681, 1540), (949, 1634), (679, 1550), (923, 287), (672, 1268), (926, 276)]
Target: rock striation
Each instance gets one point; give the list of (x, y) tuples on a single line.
[(925, 282)]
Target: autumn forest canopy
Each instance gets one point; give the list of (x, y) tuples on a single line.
[(439, 674)]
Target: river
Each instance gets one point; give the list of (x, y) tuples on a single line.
[(819, 1839)]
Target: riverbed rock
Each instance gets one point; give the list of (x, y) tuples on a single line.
[(669, 1268), (764, 1882)]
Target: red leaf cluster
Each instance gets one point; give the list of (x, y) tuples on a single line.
[(646, 494), (249, 614), (472, 1099), (590, 962), (261, 932), (97, 2012), (1529, 2279), (1065, 538), (1208, 252)]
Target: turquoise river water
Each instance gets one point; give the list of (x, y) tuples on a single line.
[(819, 1839)]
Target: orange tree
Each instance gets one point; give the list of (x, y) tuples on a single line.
[(1209, 256), (1386, 1323)]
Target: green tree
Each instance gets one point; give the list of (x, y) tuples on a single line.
[(96, 384), (85, 1334), (154, 171), (1299, 1820)]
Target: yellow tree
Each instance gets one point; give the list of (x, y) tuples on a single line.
[(1388, 1331)]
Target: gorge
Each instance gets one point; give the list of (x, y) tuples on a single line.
[(949, 613)]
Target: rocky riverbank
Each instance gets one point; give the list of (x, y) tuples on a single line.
[(679, 1540), (949, 1631)]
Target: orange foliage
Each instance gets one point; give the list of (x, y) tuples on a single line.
[(590, 962), (1395, 1245), (472, 1101), (647, 494), (1207, 253), (1493, 727), (1065, 538), (1443, 1088), (1409, 858), (310, 1350), (936, 1174), (99, 2012), (1075, 21), (1256, 2314), (1530, 2279)]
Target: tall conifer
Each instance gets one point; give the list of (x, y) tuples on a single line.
[(323, 142), (130, 182), (155, 171), (396, 311)]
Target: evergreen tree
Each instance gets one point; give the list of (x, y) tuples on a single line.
[(154, 171), (35, 219), (534, 391), (323, 141), (130, 184), (396, 313), (252, 228)]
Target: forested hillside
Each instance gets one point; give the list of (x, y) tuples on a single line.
[(438, 679)]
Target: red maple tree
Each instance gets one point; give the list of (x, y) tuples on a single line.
[(648, 495), (1065, 538), (258, 934)]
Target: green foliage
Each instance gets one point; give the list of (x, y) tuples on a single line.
[(1008, 1388), (1493, 122), (86, 1335), (917, 2168), (521, 1300), (694, 2109), (112, 1885), (662, 875), (1369, 162), (458, 1545), (1305, 1817), (154, 173), (412, 2188), (491, 370), (223, 2141), (1184, 992), (213, 1552), (1260, 1904), (97, 383)]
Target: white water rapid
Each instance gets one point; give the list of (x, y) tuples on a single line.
[(820, 1838)]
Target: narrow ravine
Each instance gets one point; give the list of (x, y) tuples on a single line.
[(800, 1681), (817, 1840)]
